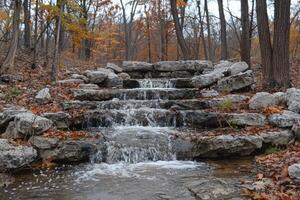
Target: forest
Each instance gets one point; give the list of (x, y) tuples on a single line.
[(150, 99)]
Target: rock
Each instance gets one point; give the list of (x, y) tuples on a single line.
[(286, 119), (189, 65), (263, 100), (8, 115), (209, 93), (61, 120), (113, 81), (6, 180), (88, 86), (294, 171), (296, 130), (212, 189), (79, 76), (181, 74), (243, 119), (131, 83), (181, 83), (236, 82), (9, 78), (237, 68), (43, 96), (293, 99), (277, 138), (31, 124), (223, 64), (70, 81), (231, 98), (11, 132), (98, 77), (226, 145), (129, 66), (200, 119), (65, 151), (206, 80), (2, 96), (124, 76), (14, 157), (114, 67)]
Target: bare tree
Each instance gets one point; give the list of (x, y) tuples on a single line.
[(209, 42), (27, 31), (8, 65), (223, 31), (245, 37), (202, 29)]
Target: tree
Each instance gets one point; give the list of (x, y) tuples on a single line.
[(245, 37), (8, 65), (27, 31), (223, 31), (209, 42), (275, 59), (179, 31)]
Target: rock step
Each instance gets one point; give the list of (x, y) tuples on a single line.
[(138, 94), (158, 83), (185, 104), (167, 118)]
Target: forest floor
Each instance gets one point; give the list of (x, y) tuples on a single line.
[(22, 93)]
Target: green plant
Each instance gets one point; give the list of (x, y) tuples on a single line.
[(227, 104), (272, 149), (12, 94)]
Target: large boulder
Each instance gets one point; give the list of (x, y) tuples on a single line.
[(243, 119), (8, 115), (43, 96), (124, 76), (236, 82), (294, 171), (206, 80), (129, 66), (223, 64), (14, 157), (79, 76), (113, 81), (61, 120), (189, 65), (293, 99), (262, 100), (237, 68), (97, 77), (30, 124), (286, 119)]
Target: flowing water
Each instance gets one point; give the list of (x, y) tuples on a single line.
[(138, 163)]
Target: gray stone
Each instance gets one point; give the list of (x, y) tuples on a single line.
[(263, 100), (231, 98), (14, 157), (243, 119), (236, 82), (277, 138), (294, 171), (209, 93), (61, 120), (112, 81), (188, 65), (70, 81), (98, 77), (114, 67), (88, 86), (8, 115), (43, 143), (11, 132), (286, 119), (129, 66), (79, 76), (206, 80), (296, 130), (223, 64), (293, 99), (6, 180), (43, 96), (237, 68), (124, 76), (31, 124)]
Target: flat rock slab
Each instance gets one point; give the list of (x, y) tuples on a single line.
[(286, 119), (14, 157), (188, 65)]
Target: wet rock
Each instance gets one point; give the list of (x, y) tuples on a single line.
[(124, 76), (88, 86), (112, 81), (294, 171), (189, 65), (212, 189), (114, 67), (61, 120), (200, 119), (98, 77), (286, 119), (293, 99), (263, 100), (206, 80), (43, 96), (237, 68), (129, 66), (243, 119), (181, 74), (66, 151), (182, 83), (241, 81), (31, 124), (14, 157), (79, 76), (131, 83)]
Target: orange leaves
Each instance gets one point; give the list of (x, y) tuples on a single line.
[(63, 135), (272, 110), (181, 3)]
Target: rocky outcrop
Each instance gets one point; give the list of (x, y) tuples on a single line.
[(189, 65), (243, 119), (97, 77), (129, 66), (43, 96), (14, 157), (263, 100), (286, 119), (293, 99), (114, 67), (61, 120), (8, 115)]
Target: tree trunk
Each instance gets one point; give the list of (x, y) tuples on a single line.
[(280, 76), (223, 31), (161, 16), (148, 34), (264, 40), (35, 34), (27, 31), (202, 30), (210, 50), (179, 32), (8, 65), (56, 51), (245, 38)]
